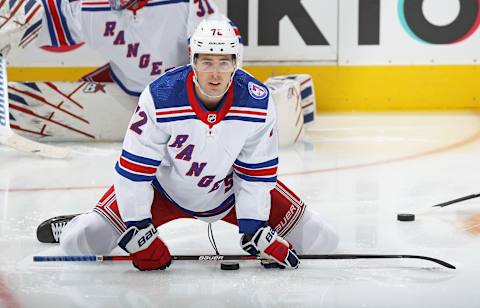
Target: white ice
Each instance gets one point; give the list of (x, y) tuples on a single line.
[(357, 170)]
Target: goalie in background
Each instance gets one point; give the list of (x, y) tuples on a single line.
[(202, 144), (141, 38)]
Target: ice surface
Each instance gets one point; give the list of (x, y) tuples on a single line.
[(357, 170)]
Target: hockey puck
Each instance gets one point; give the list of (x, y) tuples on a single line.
[(405, 217), (229, 266)]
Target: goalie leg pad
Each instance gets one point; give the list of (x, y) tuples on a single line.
[(307, 94), (18, 20), (286, 95)]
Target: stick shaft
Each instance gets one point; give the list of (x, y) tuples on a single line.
[(239, 258), (457, 200), (443, 204)]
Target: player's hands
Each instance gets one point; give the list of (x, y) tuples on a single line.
[(267, 243), (147, 250)]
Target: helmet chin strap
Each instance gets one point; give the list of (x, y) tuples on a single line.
[(195, 81)]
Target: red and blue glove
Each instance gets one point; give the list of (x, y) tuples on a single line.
[(147, 250), (268, 244)]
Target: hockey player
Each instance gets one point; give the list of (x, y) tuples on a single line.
[(202, 144), (141, 38)]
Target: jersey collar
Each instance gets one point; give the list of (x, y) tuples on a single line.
[(137, 6), (208, 117)]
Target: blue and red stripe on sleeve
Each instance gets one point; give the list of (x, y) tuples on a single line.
[(57, 24), (137, 168), (259, 172)]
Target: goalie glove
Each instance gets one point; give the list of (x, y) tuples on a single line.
[(268, 244), (147, 250)]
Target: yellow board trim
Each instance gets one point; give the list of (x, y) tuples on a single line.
[(347, 88), (67, 74)]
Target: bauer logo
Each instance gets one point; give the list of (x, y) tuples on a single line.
[(270, 235), (145, 238), (210, 258), (290, 219), (257, 91)]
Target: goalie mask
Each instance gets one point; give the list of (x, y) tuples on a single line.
[(218, 37), (118, 5)]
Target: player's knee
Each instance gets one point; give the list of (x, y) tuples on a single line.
[(87, 234), (329, 236), (71, 236), (313, 235)]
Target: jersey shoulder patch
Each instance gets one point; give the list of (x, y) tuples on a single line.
[(168, 90), (257, 91), (249, 92)]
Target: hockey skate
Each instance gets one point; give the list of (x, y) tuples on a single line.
[(50, 230)]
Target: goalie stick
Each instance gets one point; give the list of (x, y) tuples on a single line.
[(8, 137), (239, 258)]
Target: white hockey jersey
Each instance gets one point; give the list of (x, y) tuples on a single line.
[(140, 46), (205, 162)]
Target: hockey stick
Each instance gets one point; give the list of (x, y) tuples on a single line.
[(238, 258), (446, 203), (443, 204), (8, 137)]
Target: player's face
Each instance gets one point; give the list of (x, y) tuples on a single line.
[(214, 72)]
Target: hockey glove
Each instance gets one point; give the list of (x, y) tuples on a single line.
[(268, 244), (147, 250)]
